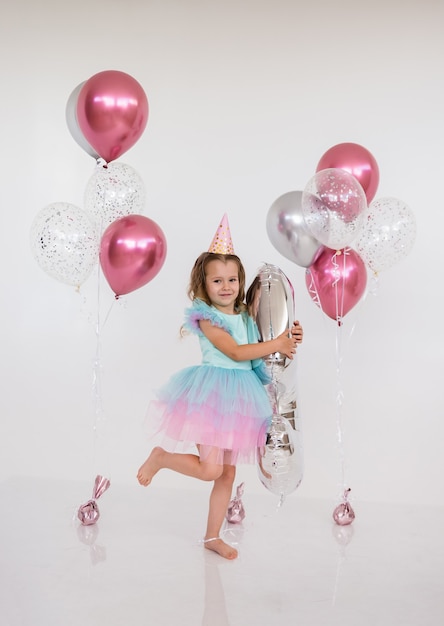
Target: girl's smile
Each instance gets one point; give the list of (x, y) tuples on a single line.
[(222, 284)]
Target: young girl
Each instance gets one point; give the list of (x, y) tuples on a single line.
[(220, 405)]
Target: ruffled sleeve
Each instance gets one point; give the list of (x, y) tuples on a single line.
[(201, 311)]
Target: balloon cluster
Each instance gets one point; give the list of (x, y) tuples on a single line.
[(336, 230), (105, 115), (270, 300)]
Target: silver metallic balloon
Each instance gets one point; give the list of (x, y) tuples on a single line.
[(282, 391), (270, 300), (270, 303), (280, 464), (288, 232)]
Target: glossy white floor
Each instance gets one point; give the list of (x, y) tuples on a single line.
[(141, 564)]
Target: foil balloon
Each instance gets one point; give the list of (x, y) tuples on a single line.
[(88, 513), (279, 463), (357, 161), (113, 191), (132, 252), (336, 281), (112, 113), (288, 232), (65, 243), (236, 512), (73, 124), (270, 303), (343, 513), (333, 205), (387, 235)]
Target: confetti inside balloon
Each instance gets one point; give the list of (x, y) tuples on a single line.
[(343, 513), (64, 242), (236, 512), (88, 512), (113, 191), (388, 233), (333, 205)]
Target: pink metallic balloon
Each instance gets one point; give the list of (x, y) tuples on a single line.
[(112, 113), (343, 513), (132, 252), (356, 160), (336, 281)]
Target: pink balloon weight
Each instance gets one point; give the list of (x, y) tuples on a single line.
[(336, 281), (343, 514), (356, 160), (112, 113), (132, 252)]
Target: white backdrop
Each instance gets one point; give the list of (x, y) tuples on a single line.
[(245, 97)]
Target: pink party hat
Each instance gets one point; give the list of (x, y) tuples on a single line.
[(222, 243)]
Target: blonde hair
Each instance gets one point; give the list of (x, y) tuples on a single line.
[(197, 287)]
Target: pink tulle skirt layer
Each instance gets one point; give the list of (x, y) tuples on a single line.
[(225, 412)]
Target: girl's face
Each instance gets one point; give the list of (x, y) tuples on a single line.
[(222, 284)]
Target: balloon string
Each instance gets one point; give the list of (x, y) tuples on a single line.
[(337, 276), (313, 291), (339, 404), (97, 365), (374, 284)]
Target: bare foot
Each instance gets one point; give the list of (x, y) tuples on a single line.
[(220, 547), (151, 466)]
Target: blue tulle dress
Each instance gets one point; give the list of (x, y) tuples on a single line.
[(221, 405)]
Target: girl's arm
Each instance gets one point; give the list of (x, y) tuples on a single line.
[(224, 342)]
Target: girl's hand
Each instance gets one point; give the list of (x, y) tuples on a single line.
[(297, 332), (286, 343)]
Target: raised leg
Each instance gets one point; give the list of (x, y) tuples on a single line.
[(187, 464)]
